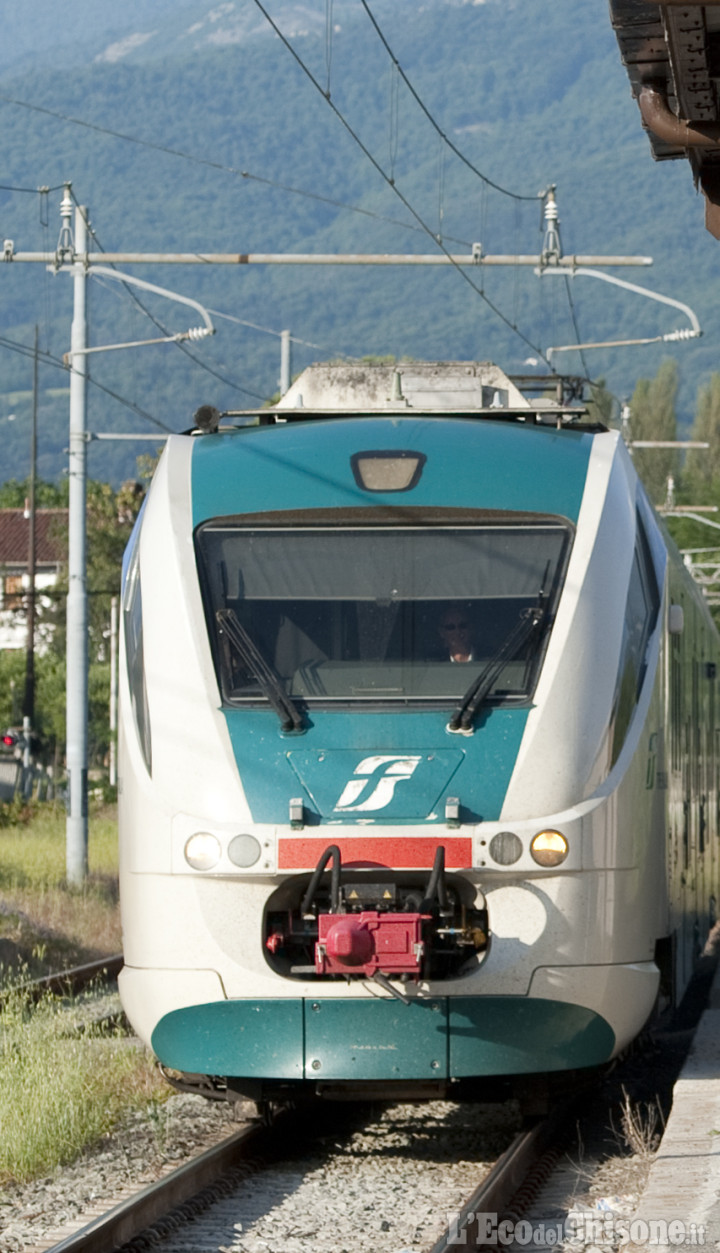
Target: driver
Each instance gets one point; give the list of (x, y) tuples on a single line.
[(456, 634)]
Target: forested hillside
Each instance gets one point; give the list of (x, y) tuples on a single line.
[(223, 143)]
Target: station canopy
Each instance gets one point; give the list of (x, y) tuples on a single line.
[(671, 52)]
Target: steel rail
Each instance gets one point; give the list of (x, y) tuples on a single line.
[(494, 1193), (158, 1201), (127, 1220), (72, 980)]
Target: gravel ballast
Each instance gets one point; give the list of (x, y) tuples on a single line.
[(38, 1214)]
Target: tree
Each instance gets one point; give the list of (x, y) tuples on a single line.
[(602, 405), (49, 725), (702, 472), (652, 417), (701, 479), (15, 492)]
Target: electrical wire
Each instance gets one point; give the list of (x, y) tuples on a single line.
[(161, 327), (47, 358), (206, 162), (574, 322), (32, 191), (419, 101), (268, 330), (376, 165)]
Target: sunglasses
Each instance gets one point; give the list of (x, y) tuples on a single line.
[(454, 626)]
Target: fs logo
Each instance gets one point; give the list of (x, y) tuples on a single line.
[(381, 775)]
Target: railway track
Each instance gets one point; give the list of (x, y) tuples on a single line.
[(179, 1196), (246, 1193), (313, 1183), (531, 1153)]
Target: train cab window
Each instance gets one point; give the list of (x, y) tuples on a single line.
[(374, 614), (641, 611)]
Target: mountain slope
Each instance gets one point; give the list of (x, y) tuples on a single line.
[(531, 95)]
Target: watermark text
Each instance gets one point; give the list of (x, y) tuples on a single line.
[(579, 1229)]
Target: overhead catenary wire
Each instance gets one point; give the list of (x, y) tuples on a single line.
[(160, 326), (575, 323), (420, 228), (443, 135), (194, 159), (47, 358), (269, 330), (43, 191), (390, 183), (31, 191)]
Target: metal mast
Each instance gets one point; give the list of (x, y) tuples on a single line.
[(77, 611)]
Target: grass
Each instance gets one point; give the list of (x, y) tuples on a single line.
[(45, 925), (61, 1087)]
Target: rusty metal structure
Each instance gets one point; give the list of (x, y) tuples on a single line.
[(672, 55)]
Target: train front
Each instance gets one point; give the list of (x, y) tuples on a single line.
[(387, 722)]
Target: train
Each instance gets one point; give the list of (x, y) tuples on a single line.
[(418, 754)]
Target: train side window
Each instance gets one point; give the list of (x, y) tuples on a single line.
[(676, 701), (641, 611), (133, 629)]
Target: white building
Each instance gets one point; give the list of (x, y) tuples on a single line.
[(50, 552)]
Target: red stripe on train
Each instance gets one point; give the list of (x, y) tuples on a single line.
[(401, 852)]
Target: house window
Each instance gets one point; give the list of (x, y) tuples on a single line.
[(13, 592)]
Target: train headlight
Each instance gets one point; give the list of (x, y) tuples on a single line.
[(244, 850), (203, 851), (549, 848), (505, 848)]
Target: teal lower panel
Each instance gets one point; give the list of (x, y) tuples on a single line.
[(511, 1035), (378, 1039), (255, 1039), (352, 1039)]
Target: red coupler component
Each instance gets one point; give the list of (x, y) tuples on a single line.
[(367, 942)]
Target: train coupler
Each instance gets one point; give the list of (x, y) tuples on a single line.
[(370, 942)]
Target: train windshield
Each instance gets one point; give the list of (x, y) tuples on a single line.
[(398, 615)]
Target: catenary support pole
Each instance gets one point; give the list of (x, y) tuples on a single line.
[(29, 697), (77, 643)]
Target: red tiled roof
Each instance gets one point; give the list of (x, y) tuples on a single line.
[(50, 536)]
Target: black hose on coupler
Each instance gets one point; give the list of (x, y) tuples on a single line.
[(332, 851)]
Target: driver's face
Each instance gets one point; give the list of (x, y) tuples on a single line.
[(455, 629)]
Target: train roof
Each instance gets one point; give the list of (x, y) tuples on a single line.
[(488, 464), (432, 388)]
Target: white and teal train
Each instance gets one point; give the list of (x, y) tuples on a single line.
[(419, 762)]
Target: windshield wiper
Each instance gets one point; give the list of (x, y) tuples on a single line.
[(269, 680), (527, 625)]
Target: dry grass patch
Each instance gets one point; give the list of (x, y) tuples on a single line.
[(618, 1182), (44, 924)]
